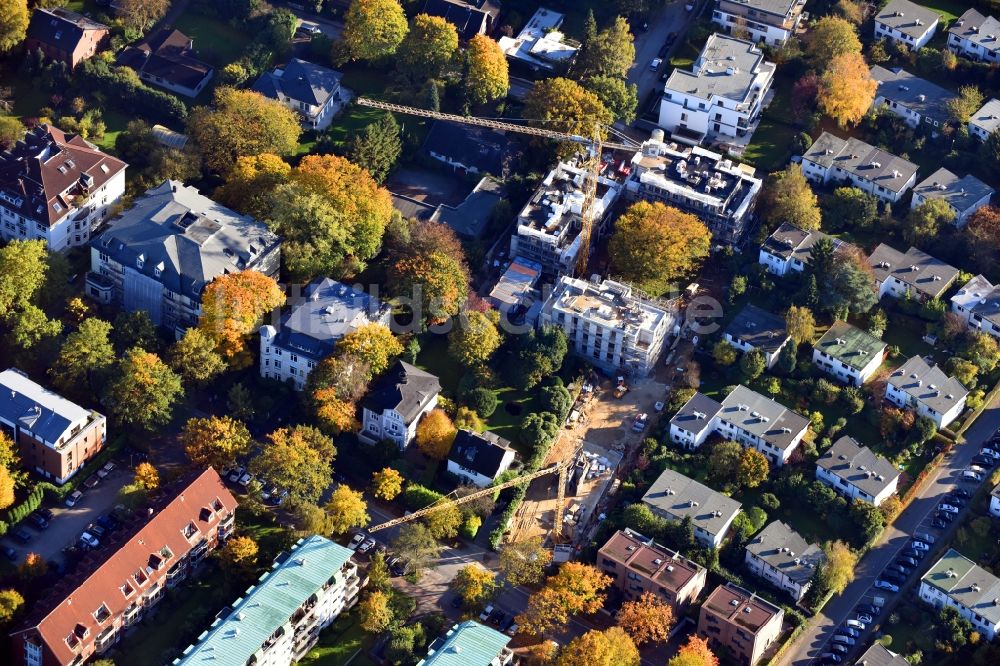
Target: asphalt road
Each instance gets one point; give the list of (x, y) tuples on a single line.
[(916, 518), (672, 18)]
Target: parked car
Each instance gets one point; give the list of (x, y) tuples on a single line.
[(88, 540), (868, 609), (640, 422), (984, 461), (46, 514), (907, 561), (939, 523), (21, 534), (972, 477), (655, 63), (511, 630), (954, 500), (486, 613), (913, 553), (894, 577), (831, 658), (499, 618), (919, 545), (235, 475), (905, 571), (886, 585), (947, 508), (39, 521), (246, 479), (97, 531), (864, 617), (839, 648), (107, 469), (74, 497), (925, 537), (91, 481), (107, 522), (857, 624), (356, 541), (398, 567), (961, 492), (991, 452), (10, 553), (848, 631), (846, 640), (367, 545), (946, 517)]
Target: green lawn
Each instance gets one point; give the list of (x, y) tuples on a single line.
[(948, 9), (216, 42), (771, 144), (344, 641), (115, 123)]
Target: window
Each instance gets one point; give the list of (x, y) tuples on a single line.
[(102, 614), (127, 589)]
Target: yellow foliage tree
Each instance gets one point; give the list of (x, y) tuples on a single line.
[(545, 612), (374, 344), (475, 585), (233, 307), (387, 484), (694, 653), (435, 434), (6, 488), (753, 468), (524, 562), (474, 339), (215, 441), (346, 508), (249, 184), (488, 77), (146, 476), (801, 324), (444, 523), (580, 586), (373, 28), (846, 89), (790, 198), (838, 570), (376, 613), (654, 244), (611, 647), (647, 619), (240, 554), (11, 601), (13, 23), (430, 45), (565, 106), (830, 37)]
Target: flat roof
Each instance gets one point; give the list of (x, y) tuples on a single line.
[(727, 67), (650, 560)]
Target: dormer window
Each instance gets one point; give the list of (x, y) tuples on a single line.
[(127, 589), (58, 34), (140, 261), (189, 530), (57, 207), (217, 505), (102, 614), (140, 577)]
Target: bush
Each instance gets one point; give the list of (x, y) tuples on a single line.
[(470, 527), (770, 501), (123, 89), (484, 401), (19, 512), (556, 399), (417, 497)]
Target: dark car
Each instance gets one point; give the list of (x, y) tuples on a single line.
[(954, 500), (107, 522), (912, 553), (46, 514), (92, 481), (868, 609), (894, 576), (499, 618), (984, 461), (838, 648), (900, 569), (906, 561), (10, 553), (939, 523), (945, 516), (662, 53), (39, 521), (961, 492), (21, 534), (398, 568)]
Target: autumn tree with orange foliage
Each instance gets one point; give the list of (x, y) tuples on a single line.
[(34, 565), (694, 653), (233, 307), (428, 265), (334, 387), (846, 89), (576, 588), (145, 390), (647, 619), (611, 647), (435, 434)]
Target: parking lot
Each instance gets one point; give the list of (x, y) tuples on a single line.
[(68, 523)]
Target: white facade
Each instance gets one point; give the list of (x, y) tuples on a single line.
[(903, 399), (986, 120), (281, 363), (479, 479), (723, 93), (389, 424), (957, 581), (995, 502), (872, 170), (842, 371), (974, 36), (851, 491), (928, 390), (763, 20), (978, 303), (608, 325), (907, 23), (857, 472), (964, 195), (540, 44)]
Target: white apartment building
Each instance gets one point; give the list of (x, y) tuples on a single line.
[(675, 497), (698, 181), (278, 620), (609, 325), (907, 23), (768, 21), (957, 581), (870, 169), (548, 227), (927, 389), (848, 354), (964, 195), (978, 302), (856, 472), (328, 311), (56, 187), (986, 120), (915, 100), (914, 272), (744, 416), (789, 249), (159, 255), (974, 35), (396, 402), (780, 555), (722, 94)]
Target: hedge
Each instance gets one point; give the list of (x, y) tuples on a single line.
[(417, 497), (123, 90), (21, 511)]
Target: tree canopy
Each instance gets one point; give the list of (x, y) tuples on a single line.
[(487, 76), (428, 268), (233, 307), (694, 653), (144, 391), (373, 344), (346, 509), (565, 106), (435, 434), (846, 89), (297, 459), (373, 28), (830, 37), (647, 619), (611, 647), (377, 146), (251, 181), (85, 352), (610, 53), (473, 339), (430, 45), (791, 199), (13, 23), (215, 441)]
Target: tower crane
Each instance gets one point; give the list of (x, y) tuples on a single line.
[(560, 468), (595, 144)]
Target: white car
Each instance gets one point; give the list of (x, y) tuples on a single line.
[(356, 541), (655, 63), (366, 546), (920, 545), (948, 508), (89, 540), (73, 498), (886, 585), (512, 629), (971, 475), (486, 613), (235, 475), (856, 624), (246, 479)]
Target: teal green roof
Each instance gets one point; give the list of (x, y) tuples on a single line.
[(467, 644), (269, 604), (850, 345)]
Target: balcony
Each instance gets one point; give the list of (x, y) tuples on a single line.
[(105, 639), (132, 614)]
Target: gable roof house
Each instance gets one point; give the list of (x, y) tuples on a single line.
[(695, 421), (159, 255), (857, 472), (910, 97), (986, 120), (312, 91), (396, 402), (675, 497), (469, 18), (64, 35), (309, 332), (88, 611), (755, 328), (879, 655), (848, 353), (790, 249), (915, 273), (907, 23), (55, 436), (469, 149), (478, 458), (957, 581), (975, 35), (780, 555), (56, 187), (978, 302), (167, 59), (868, 168), (540, 45), (964, 195), (926, 388)]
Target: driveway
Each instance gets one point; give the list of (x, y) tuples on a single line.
[(69, 522), (915, 518), (331, 29)]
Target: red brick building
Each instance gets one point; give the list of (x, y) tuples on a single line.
[(87, 612), (740, 621), (640, 565), (64, 35)]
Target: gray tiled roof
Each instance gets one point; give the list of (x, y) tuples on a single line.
[(863, 160), (960, 193), (977, 28), (788, 241), (987, 118), (60, 27), (928, 384), (784, 549), (403, 388), (758, 328), (696, 413), (301, 81), (917, 94), (908, 18), (879, 655), (726, 67), (186, 236), (858, 465), (915, 268), (678, 497), (981, 297), (771, 421)]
